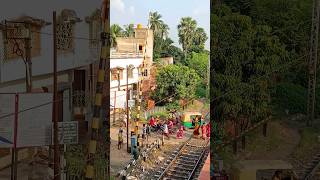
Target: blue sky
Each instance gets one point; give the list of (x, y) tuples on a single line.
[(136, 11)]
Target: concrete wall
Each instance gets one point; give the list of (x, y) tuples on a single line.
[(124, 63), (82, 55)]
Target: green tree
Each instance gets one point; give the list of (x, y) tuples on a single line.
[(199, 39), (159, 28), (161, 32), (177, 81), (199, 62), (116, 31), (186, 30), (244, 57), (129, 30)]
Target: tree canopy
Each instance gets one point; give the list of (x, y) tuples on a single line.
[(177, 80), (244, 57)]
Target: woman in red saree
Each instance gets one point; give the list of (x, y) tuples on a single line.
[(208, 130), (180, 133), (204, 131), (196, 127)]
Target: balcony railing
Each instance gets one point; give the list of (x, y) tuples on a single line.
[(126, 55)]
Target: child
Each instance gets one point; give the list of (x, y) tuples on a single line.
[(135, 153), (144, 132), (166, 130), (120, 138), (148, 130)]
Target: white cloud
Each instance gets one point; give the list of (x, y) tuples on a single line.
[(118, 5), (132, 9)]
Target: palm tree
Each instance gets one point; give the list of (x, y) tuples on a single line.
[(116, 31), (186, 30), (159, 28), (200, 37), (164, 31), (129, 30)]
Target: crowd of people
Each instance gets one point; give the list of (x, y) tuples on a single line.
[(167, 127)]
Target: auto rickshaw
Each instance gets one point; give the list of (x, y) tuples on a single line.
[(261, 170), (187, 119)]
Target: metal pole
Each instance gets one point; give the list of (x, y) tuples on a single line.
[(14, 157), (312, 66), (28, 59), (56, 164), (127, 110), (103, 78), (114, 107)]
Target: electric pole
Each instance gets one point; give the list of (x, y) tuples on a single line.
[(103, 78), (312, 66), (56, 157), (127, 110)]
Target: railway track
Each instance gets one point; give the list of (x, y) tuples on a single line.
[(183, 164), (308, 171)]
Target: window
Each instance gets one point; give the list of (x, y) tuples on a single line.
[(65, 33), (15, 48), (114, 74), (140, 47), (130, 73), (145, 73)]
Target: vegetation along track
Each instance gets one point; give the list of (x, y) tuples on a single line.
[(309, 171), (184, 162)]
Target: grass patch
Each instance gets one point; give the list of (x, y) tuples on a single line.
[(308, 143)]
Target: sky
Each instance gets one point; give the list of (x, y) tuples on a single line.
[(122, 11), (136, 12)]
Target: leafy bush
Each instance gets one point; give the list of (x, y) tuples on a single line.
[(292, 97), (173, 106), (201, 91), (162, 115)]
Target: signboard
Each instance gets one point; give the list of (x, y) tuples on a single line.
[(33, 115), (68, 132), (131, 103)]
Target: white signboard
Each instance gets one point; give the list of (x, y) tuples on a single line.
[(131, 103), (33, 120), (68, 132)]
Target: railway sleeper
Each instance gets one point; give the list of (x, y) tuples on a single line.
[(186, 161), (178, 176), (183, 167), (178, 173), (183, 164), (190, 158), (191, 154)]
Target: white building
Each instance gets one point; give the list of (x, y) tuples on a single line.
[(130, 52)]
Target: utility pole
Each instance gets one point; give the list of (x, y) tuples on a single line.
[(103, 78), (56, 164), (114, 107), (28, 58), (127, 110), (312, 66)]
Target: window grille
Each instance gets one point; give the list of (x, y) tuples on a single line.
[(65, 34)]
